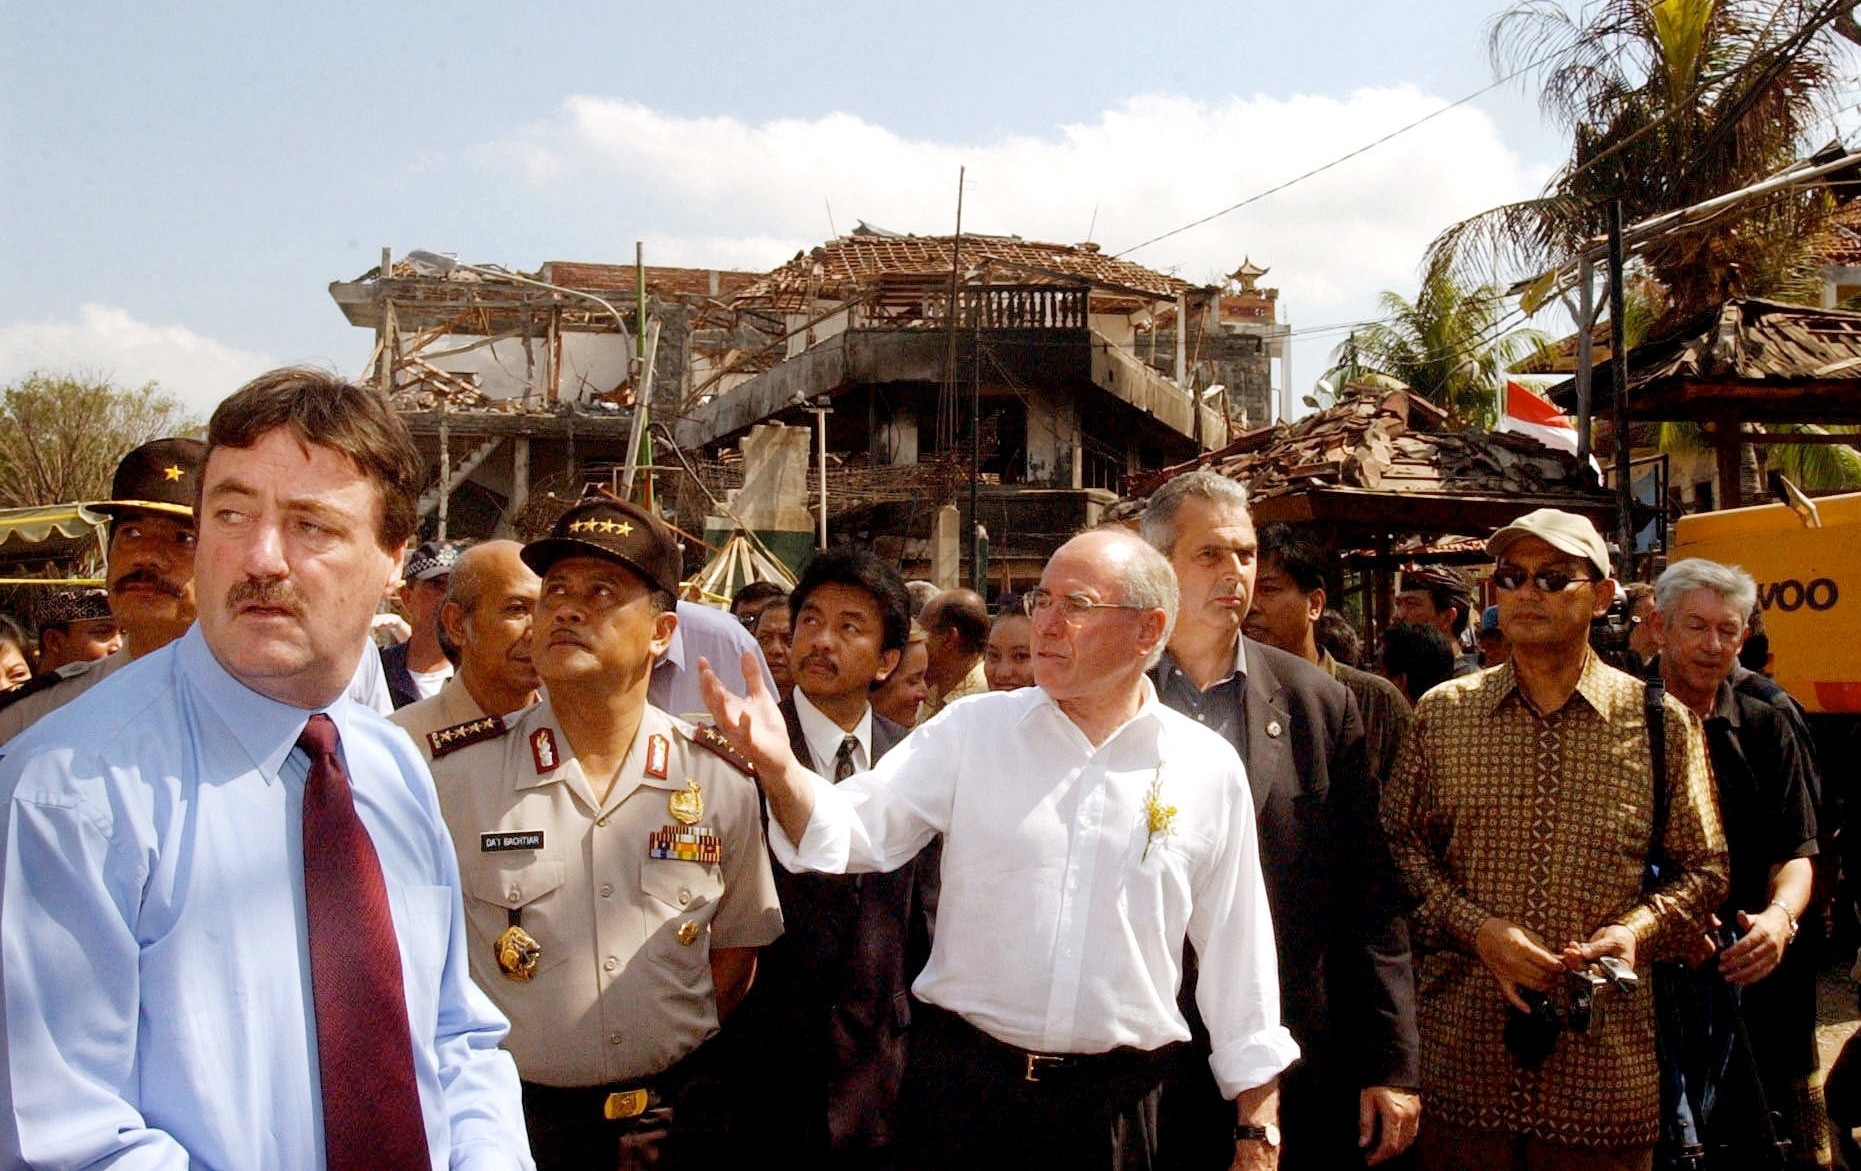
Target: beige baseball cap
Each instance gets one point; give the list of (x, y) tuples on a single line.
[(1564, 531)]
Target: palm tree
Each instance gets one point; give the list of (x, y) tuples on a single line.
[(1668, 103), (1449, 345)]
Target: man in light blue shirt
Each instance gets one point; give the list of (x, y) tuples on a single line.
[(165, 999), (704, 632)]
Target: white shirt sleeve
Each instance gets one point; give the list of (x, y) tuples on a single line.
[(1238, 989), (878, 820)]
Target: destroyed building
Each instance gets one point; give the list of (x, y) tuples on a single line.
[(1086, 368)]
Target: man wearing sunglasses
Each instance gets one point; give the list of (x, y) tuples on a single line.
[(1522, 814)]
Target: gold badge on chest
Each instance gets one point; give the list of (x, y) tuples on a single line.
[(687, 805), (517, 953)]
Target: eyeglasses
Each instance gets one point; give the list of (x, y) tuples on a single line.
[(1551, 581), (1073, 607)]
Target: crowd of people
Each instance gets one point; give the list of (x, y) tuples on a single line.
[(1147, 866)]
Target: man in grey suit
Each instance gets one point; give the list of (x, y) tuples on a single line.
[(823, 1031), (1346, 980)]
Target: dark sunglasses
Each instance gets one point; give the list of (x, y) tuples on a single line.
[(1551, 581)]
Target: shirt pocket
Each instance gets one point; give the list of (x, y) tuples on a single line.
[(681, 889), (499, 889), (423, 924)]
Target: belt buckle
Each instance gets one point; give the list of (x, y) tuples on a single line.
[(625, 1105), (1036, 1060)]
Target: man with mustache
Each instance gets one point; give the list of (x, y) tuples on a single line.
[(487, 615), (149, 575), (617, 887), (825, 1017), (230, 925)]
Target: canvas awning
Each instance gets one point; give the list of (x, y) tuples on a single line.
[(32, 525)]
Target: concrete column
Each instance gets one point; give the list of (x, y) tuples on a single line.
[(946, 548)]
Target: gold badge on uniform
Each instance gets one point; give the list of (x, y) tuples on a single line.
[(688, 932), (543, 749), (658, 749), (517, 953), (687, 805)]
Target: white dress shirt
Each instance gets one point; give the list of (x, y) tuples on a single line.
[(824, 737), (1061, 922)]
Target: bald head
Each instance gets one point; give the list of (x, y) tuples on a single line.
[(957, 625), (487, 616)]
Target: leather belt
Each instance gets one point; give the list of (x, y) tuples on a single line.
[(1069, 1068)]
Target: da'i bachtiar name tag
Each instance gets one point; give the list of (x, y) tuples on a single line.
[(682, 843)]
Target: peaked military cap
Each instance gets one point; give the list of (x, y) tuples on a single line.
[(161, 476), (617, 530)]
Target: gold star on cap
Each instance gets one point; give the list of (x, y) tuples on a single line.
[(173, 472), (623, 528)]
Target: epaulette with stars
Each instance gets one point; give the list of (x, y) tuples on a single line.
[(449, 740), (705, 736)]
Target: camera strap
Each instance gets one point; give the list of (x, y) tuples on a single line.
[(1654, 692)]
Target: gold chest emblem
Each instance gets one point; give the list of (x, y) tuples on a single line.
[(517, 953), (687, 805)]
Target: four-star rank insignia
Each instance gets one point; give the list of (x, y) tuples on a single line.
[(449, 740), (706, 736), (543, 750), (687, 805)]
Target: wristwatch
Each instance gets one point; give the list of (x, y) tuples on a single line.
[(1268, 1134)]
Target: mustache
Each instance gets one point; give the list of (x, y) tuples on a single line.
[(266, 592), (818, 660), (147, 577)]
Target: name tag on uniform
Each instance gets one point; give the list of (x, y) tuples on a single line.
[(523, 839), (685, 843)]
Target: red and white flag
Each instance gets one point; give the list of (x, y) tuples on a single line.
[(1527, 414)]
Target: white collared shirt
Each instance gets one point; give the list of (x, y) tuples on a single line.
[(824, 737), (1061, 921)]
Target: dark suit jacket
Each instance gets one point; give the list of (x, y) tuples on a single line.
[(401, 687), (1347, 989), (828, 1013)]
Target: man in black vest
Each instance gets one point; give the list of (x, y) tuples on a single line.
[(823, 1031), (1347, 989)]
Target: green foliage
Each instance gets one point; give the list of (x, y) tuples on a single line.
[(1668, 104), (61, 435), (1448, 345)]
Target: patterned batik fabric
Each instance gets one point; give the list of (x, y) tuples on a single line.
[(1495, 809)]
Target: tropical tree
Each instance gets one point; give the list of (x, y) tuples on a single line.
[(1668, 103), (1449, 345), (61, 434)]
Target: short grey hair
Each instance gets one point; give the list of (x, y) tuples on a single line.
[(1146, 579), (1158, 524), (1696, 573)]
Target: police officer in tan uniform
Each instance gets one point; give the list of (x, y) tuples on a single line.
[(616, 881)]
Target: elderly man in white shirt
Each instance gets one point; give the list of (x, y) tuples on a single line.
[(1089, 830)]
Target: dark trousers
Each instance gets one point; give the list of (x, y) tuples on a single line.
[(568, 1131), (967, 1104)]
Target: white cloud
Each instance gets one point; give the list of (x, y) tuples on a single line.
[(109, 341), (719, 191)]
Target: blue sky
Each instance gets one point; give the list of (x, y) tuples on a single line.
[(180, 182)]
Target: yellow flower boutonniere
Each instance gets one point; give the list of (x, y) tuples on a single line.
[(1159, 819)]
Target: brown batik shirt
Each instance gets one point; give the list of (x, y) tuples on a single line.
[(1496, 810)]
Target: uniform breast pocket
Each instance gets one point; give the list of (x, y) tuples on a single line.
[(500, 890), (678, 888)]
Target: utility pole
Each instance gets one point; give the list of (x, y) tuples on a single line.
[(1618, 371), (946, 403)]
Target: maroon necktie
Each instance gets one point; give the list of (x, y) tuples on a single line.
[(371, 1104)]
